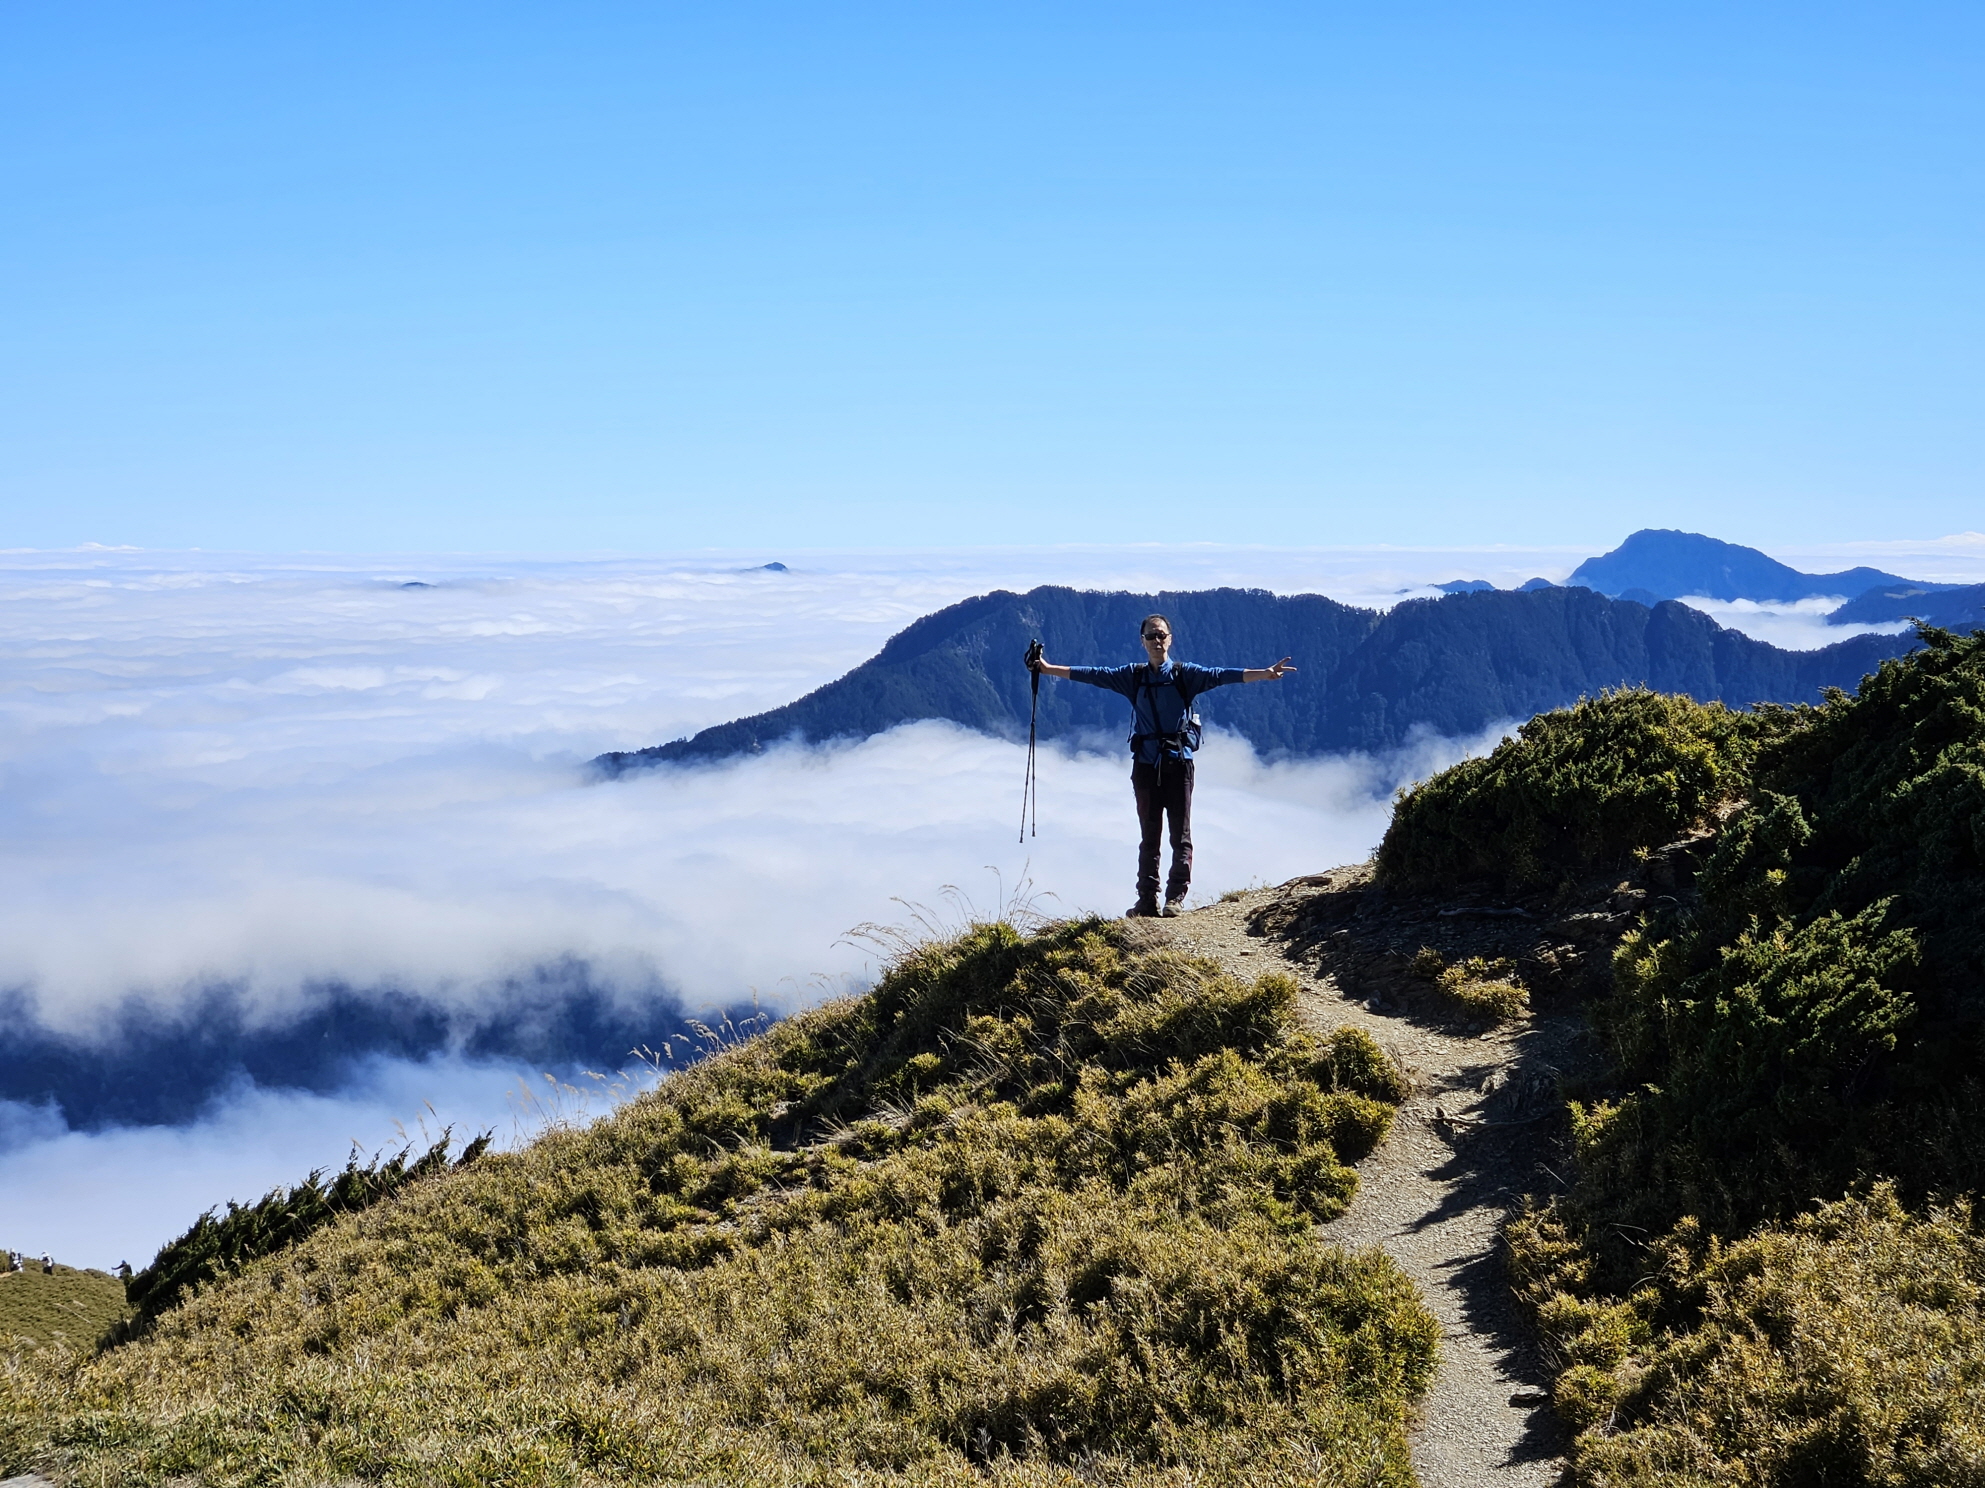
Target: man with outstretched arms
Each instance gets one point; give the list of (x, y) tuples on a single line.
[(1165, 734)]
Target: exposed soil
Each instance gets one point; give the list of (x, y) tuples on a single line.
[(1483, 1128)]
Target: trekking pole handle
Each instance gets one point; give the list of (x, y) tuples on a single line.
[(1034, 655)]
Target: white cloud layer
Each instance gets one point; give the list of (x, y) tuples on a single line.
[(1798, 626), (1958, 558), (271, 773), (97, 1198)]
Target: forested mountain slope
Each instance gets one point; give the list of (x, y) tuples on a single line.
[(1367, 679)]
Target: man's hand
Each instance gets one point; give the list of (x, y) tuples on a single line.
[(1038, 661), (1268, 674)]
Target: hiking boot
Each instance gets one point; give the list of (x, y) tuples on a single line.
[(1144, 909), (1173, 908)]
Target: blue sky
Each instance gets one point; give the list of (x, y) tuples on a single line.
[(643, 278)]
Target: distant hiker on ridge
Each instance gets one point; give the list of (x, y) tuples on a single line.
[(1165, 734)]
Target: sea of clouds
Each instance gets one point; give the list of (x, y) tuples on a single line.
[(300, 853)]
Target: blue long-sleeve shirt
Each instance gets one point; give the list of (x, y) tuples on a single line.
[(1161, 696)]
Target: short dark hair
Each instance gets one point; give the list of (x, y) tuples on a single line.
[(1148, 619)]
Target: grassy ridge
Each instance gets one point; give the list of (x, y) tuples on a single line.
[(71, 1307), (219, 1245), (1033, 1203), (1768, 1271)]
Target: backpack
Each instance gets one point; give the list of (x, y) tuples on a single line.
[(1175, 745)]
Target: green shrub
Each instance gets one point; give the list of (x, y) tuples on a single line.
[(1576, 790), (1764, 1073), (1479, 988), (1815, 1021), (1031, 1202), (1892, 783), (1821, 1015), (1350, 1059)]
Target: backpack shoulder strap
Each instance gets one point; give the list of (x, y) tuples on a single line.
[(1146, 684)]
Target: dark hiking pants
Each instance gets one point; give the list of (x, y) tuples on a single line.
[(1163, 790)]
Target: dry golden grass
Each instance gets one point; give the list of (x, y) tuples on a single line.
[(70, 1307), (1847, 1347), (1037, 1210)]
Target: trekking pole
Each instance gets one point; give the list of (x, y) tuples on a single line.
[(1031, 791)]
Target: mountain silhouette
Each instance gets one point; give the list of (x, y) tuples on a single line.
[(1662, 564), (1368, 680)]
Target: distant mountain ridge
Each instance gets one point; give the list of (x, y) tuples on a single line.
[(1664, 564), (1950, 607), (1368, 680)]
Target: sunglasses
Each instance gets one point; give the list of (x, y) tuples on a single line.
[(1157, 635)]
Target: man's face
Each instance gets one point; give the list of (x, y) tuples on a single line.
[(1157, 641)]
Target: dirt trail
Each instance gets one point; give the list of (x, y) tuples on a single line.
[(1435, 1192)]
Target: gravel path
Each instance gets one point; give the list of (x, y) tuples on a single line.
[(1434, 1195)]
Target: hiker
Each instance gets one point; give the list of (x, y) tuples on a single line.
[(47, 1264), (1165, 734)]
